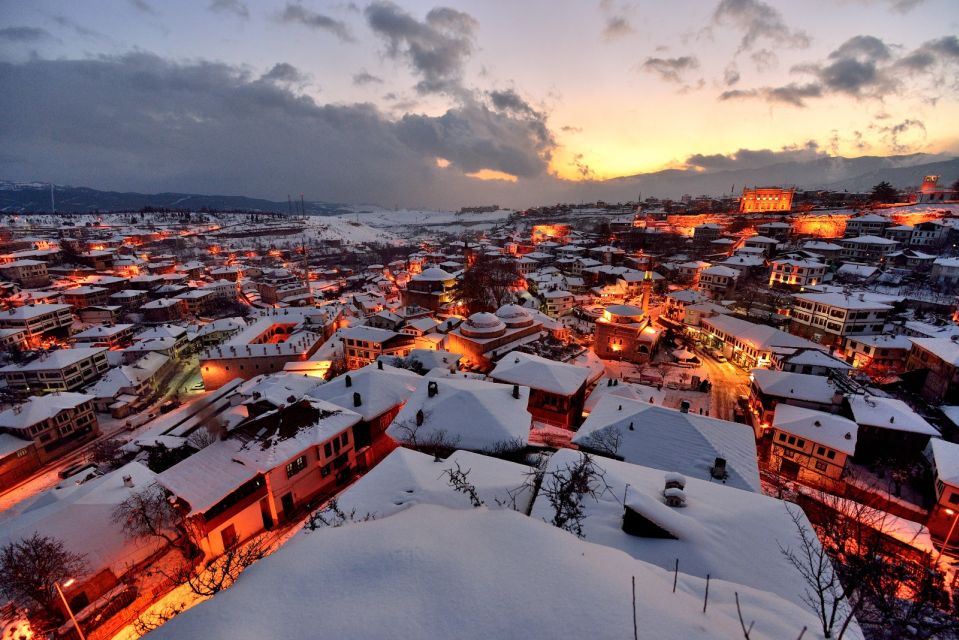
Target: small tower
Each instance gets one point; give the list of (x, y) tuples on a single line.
[(647, 289)]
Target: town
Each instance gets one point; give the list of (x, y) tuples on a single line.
[(748, 403)]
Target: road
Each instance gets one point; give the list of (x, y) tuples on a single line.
[(48, 477), (729, 382)]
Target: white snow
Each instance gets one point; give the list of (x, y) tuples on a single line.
[(433, 572), (670, 440)]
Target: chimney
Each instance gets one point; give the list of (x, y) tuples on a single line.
[(379, 365), (419, 418), (128, 481), (348, 380), (516, 391), (432, 388), (684, 406), (357, 399)]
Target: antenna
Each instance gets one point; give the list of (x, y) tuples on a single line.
[(53, 204), (289, 205), (302, 205)]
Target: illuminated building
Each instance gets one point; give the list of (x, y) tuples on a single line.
[(60, 370), (557, 390), (870, 224), (483, 336), (868, 249), (37, 319), (796, 274), (762, 199), (718, 282), (86, 297), (624, 332), (27, 273), (56, 424), (828, 318), (430, 289), (930, 191), (555, 232)]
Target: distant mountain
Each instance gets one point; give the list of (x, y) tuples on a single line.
[(35, 196), (830, 172), (836, 173)]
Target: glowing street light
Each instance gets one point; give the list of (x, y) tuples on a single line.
[(66, 604), (945, 543)]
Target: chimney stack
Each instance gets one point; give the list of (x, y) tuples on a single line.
[(348, 380), (516, 391), (128, 481), (432, 388), (357, 399)]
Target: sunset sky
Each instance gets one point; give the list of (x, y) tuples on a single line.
[(422, 103)]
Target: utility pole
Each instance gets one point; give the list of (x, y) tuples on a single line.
[(53, 204)]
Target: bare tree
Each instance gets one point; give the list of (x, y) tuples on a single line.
[(221, 572), (566, 489), (435, 442), (108, 454), (824, 593), (30, 568), (605, 442), (213, 429), (459, 480), (332, 515), (150, 513)]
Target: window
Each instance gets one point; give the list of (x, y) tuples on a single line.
[(801, 443), (782, 437), (788, 453), (820, 451), (344, 439), (327, 450), (831, 454), (791, 440), (296, 466), (324, 470), (820, 465), (954, 498)]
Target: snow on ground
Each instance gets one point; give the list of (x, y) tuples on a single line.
[(435, 572), (388, 219)]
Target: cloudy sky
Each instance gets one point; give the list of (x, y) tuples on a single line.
[(425, 104)]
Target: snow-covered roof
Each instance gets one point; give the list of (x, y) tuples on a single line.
[(82, 517), (717, 532), (470, 574), (826, 429), (794, 386), (380, 389), (760, 336), (368, 334), (277, 388), (888, 413), (817, 358), (433, 274), (668, 439), (101, 331), (869, 240), (842, 301), (406, 478), (945, 456), (29, 311), (945, 349), (40, 408), (10, 443), (471, 414), (540, 373)]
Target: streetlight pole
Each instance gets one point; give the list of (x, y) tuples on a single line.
[(945, 542), (76, 625)]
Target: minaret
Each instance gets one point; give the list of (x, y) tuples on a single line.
[(647, 288)]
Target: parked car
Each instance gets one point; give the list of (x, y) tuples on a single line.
[(169, 406), (77, 468)]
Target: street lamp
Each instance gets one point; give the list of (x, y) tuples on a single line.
[(66, 604), (945, 542)]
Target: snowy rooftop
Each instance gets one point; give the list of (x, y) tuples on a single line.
[(827, 429), (406, 478), (945, 455), (56, 359), (477, 415), (82, 517), (761, 336), (888, 413), (817, 358), (28, 311), (540, 373), (368, 334), (668, 439), (435, 572), (945, 349), (101, 331), (380, 390), (794, 386), (716, 532), (843, 301)]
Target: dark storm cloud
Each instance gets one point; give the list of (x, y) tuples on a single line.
[(23, 34), (284, 72), (295, 13), (236, 7), (754, 158), (617, 27), (670, 69), (364, 78), (436, 48), (757, 20), (473, 137), (861, 67), (509, 100), (213, 128)]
